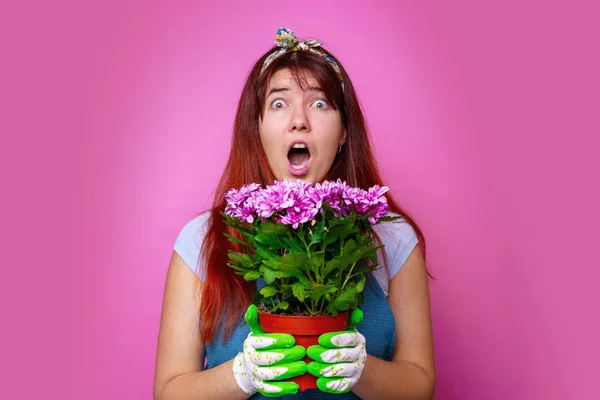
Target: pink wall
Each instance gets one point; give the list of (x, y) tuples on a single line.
[(481, 117)]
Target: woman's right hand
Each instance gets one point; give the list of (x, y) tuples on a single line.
[(267, 359)]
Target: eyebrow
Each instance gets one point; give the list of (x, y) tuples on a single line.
[(283, 89)]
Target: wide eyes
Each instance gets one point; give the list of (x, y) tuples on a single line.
[(278, 104), (319, 104)]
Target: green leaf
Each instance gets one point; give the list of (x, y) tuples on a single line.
[(348, 252), (363, 268), (332, 309), (345, 298), (292, 244), (298, 290), (265, 253), (342, 230), (228, 219), (241, 259), (334, 280), (237, 267), (338, 221), (284, 305), (304, 280), (236, 240), (271, 228), (389, 218), (367, 252), (333, 236), (317, 233), (292, 263), (268, 291), (330, 266), (274, 264), (360, 286), (271, 240), (242, 226), (317, 291), (269, 274), (285, 291), (316, 260), (251, 275)]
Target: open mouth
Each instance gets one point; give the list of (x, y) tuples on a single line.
[(298, 158)]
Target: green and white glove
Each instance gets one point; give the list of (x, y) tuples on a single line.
[(268, 357), (339, 358)]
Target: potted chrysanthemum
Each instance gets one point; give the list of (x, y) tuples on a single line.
[(312, 245)]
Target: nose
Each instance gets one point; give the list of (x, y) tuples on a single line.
[(299, 121)]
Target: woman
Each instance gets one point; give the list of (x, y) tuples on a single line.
[(298, 118)]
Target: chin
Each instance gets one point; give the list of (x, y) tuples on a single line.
[(309, 177), (305, 178)]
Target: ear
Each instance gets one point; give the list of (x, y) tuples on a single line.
[(344, 137)]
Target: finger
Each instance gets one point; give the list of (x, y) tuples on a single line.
[(265, 357), (340, 339), (335, 385), (277, 389), (356, 316), (314, 368), (271, 340), (322, 370), (325, 355), (283, 371), (277, 356), (252, 320)]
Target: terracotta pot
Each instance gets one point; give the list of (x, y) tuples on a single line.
[(306, 331)]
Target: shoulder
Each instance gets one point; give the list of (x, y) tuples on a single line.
[(398, 228), (189, 241), (399, 239)]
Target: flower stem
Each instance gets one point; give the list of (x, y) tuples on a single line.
[(308, 255), (305, 245), (348, 277), (323, 245)]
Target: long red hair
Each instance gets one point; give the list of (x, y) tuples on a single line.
[(225, 295)]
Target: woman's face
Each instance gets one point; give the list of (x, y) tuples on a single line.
[(300, 131)]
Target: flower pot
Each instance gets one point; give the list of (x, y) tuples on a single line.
[(306, 331)]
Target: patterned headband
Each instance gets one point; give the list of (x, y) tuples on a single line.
[(288, 41)]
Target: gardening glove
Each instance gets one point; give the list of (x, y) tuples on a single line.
[(339, 358), (275, 350)]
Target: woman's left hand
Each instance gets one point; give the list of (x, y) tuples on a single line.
[(339, 358)]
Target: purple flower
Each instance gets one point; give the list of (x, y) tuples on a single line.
[(365, 202), (377, 202), (239, 204), (272, 199), (352, 200), (293, 202), (331, 192), (295, 216), (302, 204)]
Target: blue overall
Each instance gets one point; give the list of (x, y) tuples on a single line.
[(377, 326)]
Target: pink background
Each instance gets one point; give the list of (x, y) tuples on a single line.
[(116, 119)]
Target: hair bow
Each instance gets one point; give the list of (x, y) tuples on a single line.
[(287, 41)]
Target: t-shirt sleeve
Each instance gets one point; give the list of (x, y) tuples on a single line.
[(189, 241), (405, 240)]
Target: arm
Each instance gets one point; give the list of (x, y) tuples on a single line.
[(411, 373), (179, 371)]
